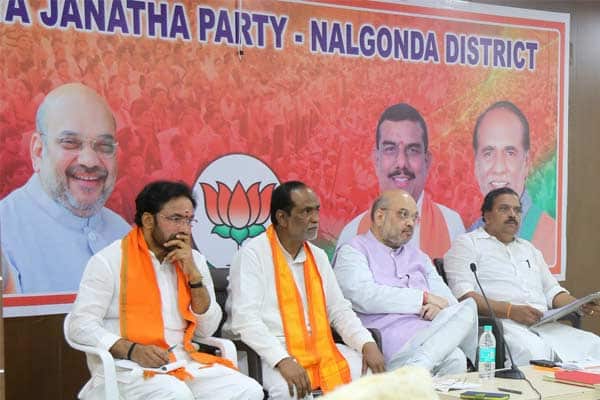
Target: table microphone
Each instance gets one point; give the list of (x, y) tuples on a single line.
[(513, 372)]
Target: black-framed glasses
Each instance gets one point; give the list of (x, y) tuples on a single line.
[(105, 146), (180, 220)]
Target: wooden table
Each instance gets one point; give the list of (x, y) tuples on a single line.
[(549, 390)]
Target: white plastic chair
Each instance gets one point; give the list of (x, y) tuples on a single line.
[(225, 348)]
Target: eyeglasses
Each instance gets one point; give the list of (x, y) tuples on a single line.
[(403, 215), (179, 220), (103, 146)]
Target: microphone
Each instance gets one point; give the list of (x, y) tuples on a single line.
[(513, 372)]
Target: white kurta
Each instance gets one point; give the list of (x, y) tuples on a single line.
[(95, 322), (518, 274), (253, 310)]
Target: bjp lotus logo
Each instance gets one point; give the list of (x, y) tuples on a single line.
[(234, 196), (237, 214)]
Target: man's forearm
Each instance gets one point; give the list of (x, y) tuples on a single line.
[(562, 299), (200, 300), (501, 308)]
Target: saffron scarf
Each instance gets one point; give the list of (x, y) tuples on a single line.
[(315, 351), (140, 305), (434, 239)]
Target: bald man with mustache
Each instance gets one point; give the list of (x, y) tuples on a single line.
[(53, 224), (394, 287)]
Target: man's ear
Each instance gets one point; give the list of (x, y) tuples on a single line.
[(280, 216), (36, 149), (428, 159), (147, 220)]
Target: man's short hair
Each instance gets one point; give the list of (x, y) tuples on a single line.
[(281, 198), (507, 105), (402, 112), (488, 201), (154, 195), (379, 203)]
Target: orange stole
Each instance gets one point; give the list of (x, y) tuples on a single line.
[(140, 305), (315, 351), (434, 239)]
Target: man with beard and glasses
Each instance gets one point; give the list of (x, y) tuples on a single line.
[(283, 297), (52, 225), (145, 296), (402, 161), (518, 283), (394, 287)]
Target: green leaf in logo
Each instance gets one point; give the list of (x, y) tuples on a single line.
[(223, 231), (255, 230), (239, 234)]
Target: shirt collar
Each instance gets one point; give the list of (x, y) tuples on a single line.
[(48, 205), (300, 258), (380, 246), (481, 233)]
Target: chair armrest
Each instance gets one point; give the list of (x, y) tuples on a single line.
[(225, 347), (111, 389)]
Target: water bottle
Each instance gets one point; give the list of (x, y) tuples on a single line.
[(487, 353)]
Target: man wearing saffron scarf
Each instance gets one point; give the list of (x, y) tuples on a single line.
[(393, 287), (402, 161), (283, 297), (145, 296)]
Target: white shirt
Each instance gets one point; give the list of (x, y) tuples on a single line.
[(252, 306), (514, 272), (95, 315)]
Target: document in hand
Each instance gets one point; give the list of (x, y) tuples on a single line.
[(558, 313)]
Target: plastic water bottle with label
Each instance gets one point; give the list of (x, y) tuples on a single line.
[(487, 353)]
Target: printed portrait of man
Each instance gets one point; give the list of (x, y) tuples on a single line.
[(501, 143), (402, 160), (53, 224)]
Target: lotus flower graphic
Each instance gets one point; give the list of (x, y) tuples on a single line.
[(237, 214)]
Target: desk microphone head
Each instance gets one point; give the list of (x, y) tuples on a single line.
[(473, 267)]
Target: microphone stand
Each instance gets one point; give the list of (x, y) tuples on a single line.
[(513, 372)]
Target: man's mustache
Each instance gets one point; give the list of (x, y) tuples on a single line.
[(511, 220), (98, 171), (402, 171)]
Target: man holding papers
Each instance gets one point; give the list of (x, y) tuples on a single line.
[(519, 285), (143, 298)]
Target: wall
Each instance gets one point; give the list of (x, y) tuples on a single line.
[(40, 365)]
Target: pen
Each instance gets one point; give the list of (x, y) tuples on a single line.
[(510, 390), (170, 349)]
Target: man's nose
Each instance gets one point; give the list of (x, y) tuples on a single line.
[(499, 164), (88, 156)]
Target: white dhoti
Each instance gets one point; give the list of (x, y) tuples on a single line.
[(215, 382), (552, 341), (442, 348)]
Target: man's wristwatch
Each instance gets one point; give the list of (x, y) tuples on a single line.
[(196, 285)]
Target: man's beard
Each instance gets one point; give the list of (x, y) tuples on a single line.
[(57, 186)]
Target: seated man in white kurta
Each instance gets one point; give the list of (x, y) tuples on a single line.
[(519, 285), (283, 297), (393, 287), (144, 297)]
